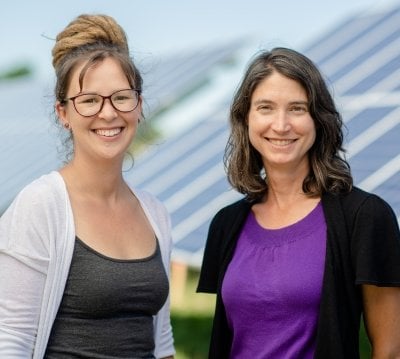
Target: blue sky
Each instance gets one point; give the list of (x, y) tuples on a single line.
[(158, 27)]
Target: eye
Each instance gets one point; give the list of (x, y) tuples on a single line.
[(264, 108), (298, 109), (120, 98), (123, 96), (88, 99)]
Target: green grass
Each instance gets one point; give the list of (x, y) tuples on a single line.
[(192, 320), (192, 333), (365, 347)]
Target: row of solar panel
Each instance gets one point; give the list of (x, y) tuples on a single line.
[(371, 139), (30, 141), (186, 171)]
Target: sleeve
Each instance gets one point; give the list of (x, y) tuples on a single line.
[(23, 263), (211, 266), (376, 244), (161, 223), (165, 340), (163, 328)]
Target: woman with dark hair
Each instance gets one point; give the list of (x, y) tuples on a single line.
[(84, 257), (299, 260)]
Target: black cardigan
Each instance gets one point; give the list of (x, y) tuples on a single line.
[(363, 246)]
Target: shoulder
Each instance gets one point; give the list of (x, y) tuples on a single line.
[(37, 210), (146, 197), (353, 200), (359, 200), (233, 211), (150, 202), (44, 191), (226, 225), (361, 206), (156, 213), (357, 196)]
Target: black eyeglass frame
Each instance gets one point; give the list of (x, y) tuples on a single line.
[(103, 98)]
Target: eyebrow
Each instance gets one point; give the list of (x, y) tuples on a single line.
[(264, 101)]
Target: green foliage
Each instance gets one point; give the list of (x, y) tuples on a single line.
[(365, 347), (191, 319), (145, 136), (16, 72), (192, 334)]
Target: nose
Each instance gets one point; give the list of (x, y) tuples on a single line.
[(108, 112), (281, 122)]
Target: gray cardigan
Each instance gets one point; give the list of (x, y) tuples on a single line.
[(363, 246), (37, 236)]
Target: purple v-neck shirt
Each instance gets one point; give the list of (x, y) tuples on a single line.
[(272, 288)]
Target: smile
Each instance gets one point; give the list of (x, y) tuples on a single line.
[(108, 132), (280, 142)]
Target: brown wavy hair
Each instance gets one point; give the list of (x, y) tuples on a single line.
[(90, 39), (329, 171)]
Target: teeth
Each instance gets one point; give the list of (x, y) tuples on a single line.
[(280, 142), (109, 133)]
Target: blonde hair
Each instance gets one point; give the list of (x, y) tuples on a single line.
[(85, 30)]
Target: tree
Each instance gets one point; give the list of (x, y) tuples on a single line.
[(16, 72)]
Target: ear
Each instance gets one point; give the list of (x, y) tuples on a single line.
[(61, 112), (140, 103), (140, 107)]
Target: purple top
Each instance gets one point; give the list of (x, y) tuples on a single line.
[(272, 288)]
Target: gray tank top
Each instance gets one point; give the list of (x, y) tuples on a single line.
[(108, 306)]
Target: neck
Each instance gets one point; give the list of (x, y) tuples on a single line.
[(285, 187), (98, 181)]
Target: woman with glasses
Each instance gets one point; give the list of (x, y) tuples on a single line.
[(298, 261), (84, 257)]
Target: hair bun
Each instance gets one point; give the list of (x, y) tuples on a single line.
[(86, 30)]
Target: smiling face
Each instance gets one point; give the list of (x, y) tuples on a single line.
[(108, 134), (280, 126)]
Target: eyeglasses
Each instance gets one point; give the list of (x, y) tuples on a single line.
[(90, 104)]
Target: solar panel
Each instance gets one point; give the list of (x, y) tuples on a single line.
[(30, 140), (359, 58), (27, 146)]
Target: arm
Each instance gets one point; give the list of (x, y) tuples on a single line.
[(21, 289), (382, 318), (164, 340), (210, 266), (23, 261), (22, 281), (161, 223)]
